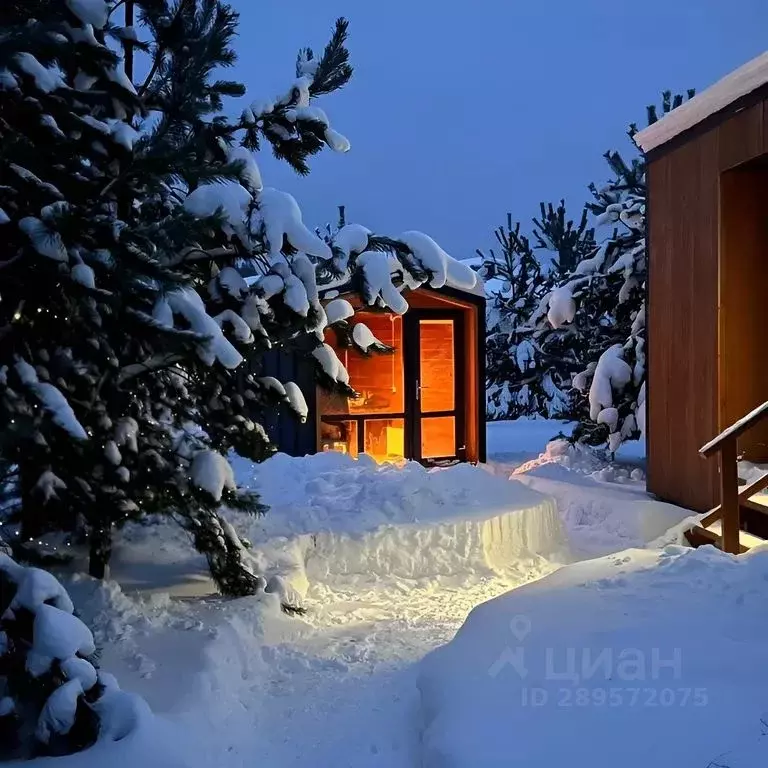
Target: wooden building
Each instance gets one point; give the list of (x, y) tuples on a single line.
[(707, 242), (425, 401)]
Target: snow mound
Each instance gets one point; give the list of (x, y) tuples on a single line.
[(618, 657), (332, 516), (133, 737)]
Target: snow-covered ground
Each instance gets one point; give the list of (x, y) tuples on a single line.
[(389, 562), (641, 658)]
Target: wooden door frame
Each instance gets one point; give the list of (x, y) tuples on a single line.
[(412, 374)]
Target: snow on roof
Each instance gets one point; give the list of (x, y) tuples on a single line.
[(452, 281), (718, 96)]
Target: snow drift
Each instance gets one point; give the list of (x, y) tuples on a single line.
[(609, 662), (332, 516)]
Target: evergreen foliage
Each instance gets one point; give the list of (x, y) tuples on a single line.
[(528, 369), (130, 339), (53, 698), (587, 330)]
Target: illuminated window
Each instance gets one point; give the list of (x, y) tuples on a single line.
[(375, 422), (438, 437), (436, 359), (377, 377), (384, 439), (339, 436)]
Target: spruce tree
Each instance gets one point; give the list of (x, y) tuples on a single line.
[(596, 310), (131, 349), (104, 345), (73, 272), (529, 366), (611, 289)]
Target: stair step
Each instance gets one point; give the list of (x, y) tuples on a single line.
[(746, 540), (759, 503), (699, 537)]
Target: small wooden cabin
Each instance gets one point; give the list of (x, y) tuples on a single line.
[(707, 243), (425, 401)]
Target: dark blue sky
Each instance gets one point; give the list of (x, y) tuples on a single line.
[(459, 112)]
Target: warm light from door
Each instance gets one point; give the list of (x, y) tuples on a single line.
[(437, 366), (438, 437)]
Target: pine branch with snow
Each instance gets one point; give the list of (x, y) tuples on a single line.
[(52, 694)]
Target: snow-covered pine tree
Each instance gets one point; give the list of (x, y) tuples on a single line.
[(605, 296), (261, 233), (93, 415), (609, 289), (248, 228), (509, 355), (53, 698), (211, 175), (528, 369), (65, 128), (143, 317)]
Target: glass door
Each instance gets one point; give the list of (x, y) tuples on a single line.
[(438, 408)]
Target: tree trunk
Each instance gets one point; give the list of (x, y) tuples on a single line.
[(217, 540), (33, 512), (100, 551)]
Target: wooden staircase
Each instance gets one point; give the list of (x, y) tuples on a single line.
[(739, 522)]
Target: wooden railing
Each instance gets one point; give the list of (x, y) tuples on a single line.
[(725, 444)]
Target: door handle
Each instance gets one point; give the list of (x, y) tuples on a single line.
[(418, 390)]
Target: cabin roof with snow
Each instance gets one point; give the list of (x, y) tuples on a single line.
[(419, 375), (707, 178), (707, 105), (459, 277)]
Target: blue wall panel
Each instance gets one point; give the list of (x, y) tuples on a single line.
[(284, 429)]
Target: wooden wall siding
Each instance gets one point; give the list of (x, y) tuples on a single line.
[(740, 139), (682, 322), (743, 256), (474, 386), (685, 406), (377, 377)]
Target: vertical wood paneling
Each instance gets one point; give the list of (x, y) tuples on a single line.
[(682, 322), (764, 148), (473, 382), (707, 239), (740, 138)]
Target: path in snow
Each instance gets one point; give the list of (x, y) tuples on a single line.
[(338, 687), (344, 694), (248, 685), (334, 689)]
